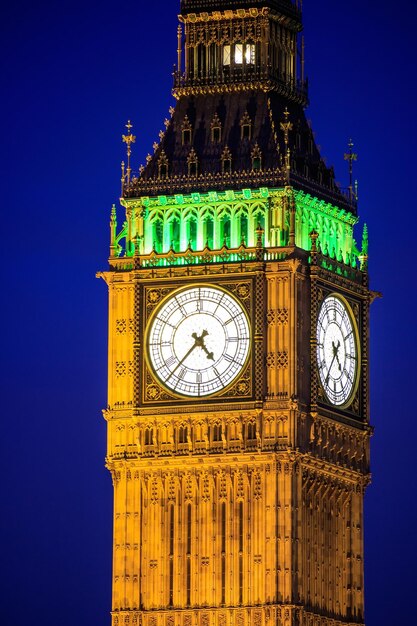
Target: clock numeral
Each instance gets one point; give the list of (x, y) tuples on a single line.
[(169, 362), (181, 308), (181, 373), (198, 378), (233, 339), (228, 358), (228, 321)]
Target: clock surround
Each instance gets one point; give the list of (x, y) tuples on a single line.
[(198, 340), (338, 350)]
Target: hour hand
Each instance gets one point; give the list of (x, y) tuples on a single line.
[(199, 341), (209, 354)]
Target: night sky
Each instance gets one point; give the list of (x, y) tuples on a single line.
[(73, 73)]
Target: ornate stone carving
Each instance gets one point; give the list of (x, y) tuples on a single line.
[(278, 360), (277, 317)]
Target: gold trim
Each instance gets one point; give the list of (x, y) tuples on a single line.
[(220, 392)]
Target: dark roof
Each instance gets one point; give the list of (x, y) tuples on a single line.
[(264, 112)]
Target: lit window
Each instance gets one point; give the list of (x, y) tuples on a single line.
[(250, 54), (239, 54), (226, 55)]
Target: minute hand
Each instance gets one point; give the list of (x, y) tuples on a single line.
[(183, 359)]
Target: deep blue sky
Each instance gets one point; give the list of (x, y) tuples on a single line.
[(72, 74)]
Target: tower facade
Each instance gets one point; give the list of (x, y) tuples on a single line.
[(238, 413)]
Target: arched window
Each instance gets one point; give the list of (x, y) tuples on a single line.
[(256, 158), (149, 437), (162, 165), (216, 129), (192, 163), (226, 159), (183, 434), (251, 431), (217, 432), (186, 131), (245, 127)]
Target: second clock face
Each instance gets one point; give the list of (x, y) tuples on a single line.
[(337, 353), (198, 341)]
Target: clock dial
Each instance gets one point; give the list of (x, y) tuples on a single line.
[(198, 341), (337, 353)]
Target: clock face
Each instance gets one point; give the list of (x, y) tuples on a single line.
[(337, 353), (198, 341)]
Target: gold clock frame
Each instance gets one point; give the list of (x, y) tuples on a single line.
[(244, 386), (148, 326)]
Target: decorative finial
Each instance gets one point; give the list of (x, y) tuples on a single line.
[(314, 247), (128, 140), (286, 126), (113, 229), (363, 257), (351, 157), (259, 236), (179, 47)]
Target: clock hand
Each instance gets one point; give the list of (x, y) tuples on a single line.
[(184, 357), (328, 373), (337, 355), (335, 351), (198, 343)]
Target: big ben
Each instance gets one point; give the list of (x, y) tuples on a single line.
[(238, 409)]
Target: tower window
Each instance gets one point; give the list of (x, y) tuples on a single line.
[(215, 134), (163, 170), (217, 432), (226, 161), (251, 431), (239, 54), (192, 163), (149, 437), (226, 55), (256, 158), (245, 131), (186, 131), (245, 126), (186, 137), (192, 169), (250, 54), (183, 434)]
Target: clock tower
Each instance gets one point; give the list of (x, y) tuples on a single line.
[(238, 412)]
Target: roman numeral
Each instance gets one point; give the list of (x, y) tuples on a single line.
[(169, 362)]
